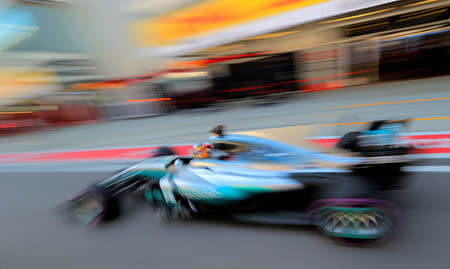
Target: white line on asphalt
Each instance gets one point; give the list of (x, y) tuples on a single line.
[(99, 148), (428, 169), (431, 156), (401, 134), (183, 144), (58, 168)]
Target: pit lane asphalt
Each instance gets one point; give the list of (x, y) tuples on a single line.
[(32, 235)]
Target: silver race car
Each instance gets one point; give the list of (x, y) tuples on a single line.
[(272, 176)]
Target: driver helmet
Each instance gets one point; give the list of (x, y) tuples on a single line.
[(201, 151)]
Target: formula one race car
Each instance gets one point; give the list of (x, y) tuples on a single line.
[(380, 139), (269, 176)]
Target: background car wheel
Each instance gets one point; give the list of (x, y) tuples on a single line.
[(163, 151), (349, 141), (361, 222), (376, 125)]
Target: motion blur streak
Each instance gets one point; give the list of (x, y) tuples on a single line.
[(274, 94), (296, 81), (148, 100), (7, 125), (398, 102), (421, 3), (18, 143), (435, 118), (346, 123), (16, 112), (366, 122), (358, 16)]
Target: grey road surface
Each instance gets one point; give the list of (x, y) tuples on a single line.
[(33, 236)]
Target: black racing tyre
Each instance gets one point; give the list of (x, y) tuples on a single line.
[(376, 125), (348, 186), (93, 206), (163, 151), (349, 141), (111, 204), (355, 222), (353, 211)]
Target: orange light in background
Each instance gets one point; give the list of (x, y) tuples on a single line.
[(188, 64), (148, 100), (99, 86)]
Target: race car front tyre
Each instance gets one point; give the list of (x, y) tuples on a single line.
[(92, 206)]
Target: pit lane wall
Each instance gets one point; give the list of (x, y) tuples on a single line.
[(329, 58), (427, 145)]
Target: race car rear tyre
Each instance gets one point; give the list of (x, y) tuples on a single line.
[(377, 125), (93, 206), (163, 151), (351, 221), (349, 141)]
